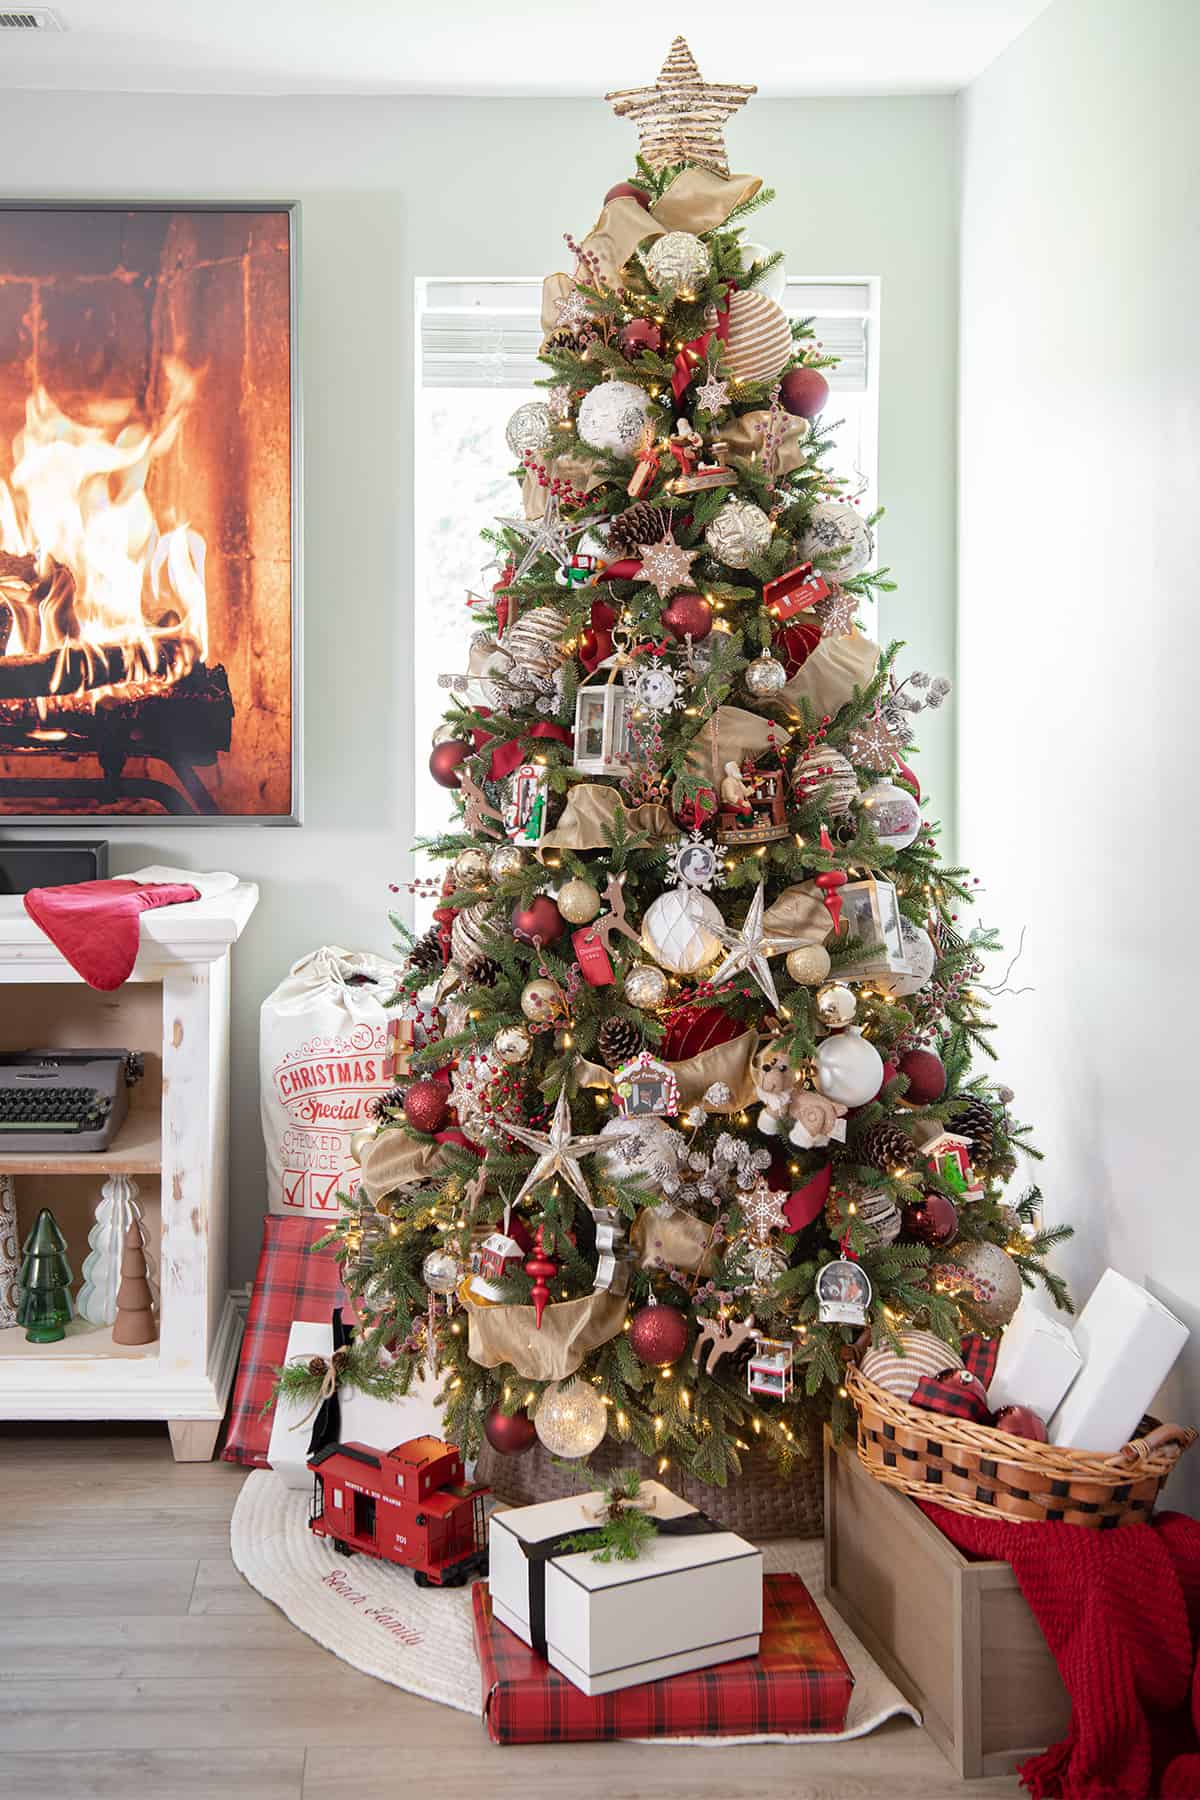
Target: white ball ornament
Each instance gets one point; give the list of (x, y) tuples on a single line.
[(922, 958), (774, 283), (740, 532), (571, 1419), (677, 930), (759, 345), (528, 428), (838, 534), (894, 814), (677, 261), (836, 1005), (613, 415), (849, 1069), (441, 1272)]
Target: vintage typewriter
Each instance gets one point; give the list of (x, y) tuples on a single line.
[(67, 1100)]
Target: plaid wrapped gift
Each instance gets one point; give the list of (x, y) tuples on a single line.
[(798, 1682), (979, 1355), (293, 1282), (953, 1395)]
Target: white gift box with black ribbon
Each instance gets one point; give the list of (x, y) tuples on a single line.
[(691, 1599)]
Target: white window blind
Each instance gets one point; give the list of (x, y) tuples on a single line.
[(486, 333)]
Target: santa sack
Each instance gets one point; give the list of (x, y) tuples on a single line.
[(324, 1054)]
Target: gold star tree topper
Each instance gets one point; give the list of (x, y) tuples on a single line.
[(679, 119)]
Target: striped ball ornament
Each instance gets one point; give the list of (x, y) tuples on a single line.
[(924, 1354), (759, 345)]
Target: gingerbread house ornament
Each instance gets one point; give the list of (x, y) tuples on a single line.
[(646, 1088)]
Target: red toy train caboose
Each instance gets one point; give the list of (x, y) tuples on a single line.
[(406, 1505)]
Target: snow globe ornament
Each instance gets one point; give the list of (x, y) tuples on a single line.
[(920, 960), (646, 1088), (613, 416), (677, 261), (843, 1293), (529, 427), (677, 930), (894, 813), (839, 538), (740, 532)]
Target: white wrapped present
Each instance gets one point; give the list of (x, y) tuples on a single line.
[(1038, 1361), (1129, 1341), (691, 1599)]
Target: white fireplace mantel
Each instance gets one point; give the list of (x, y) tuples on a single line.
[(184, 1378)]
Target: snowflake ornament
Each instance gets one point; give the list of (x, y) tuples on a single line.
[(696, 862), (762, 1209), (836, 613), (876, 744), (713, 396), (666, 566), (573, 311)]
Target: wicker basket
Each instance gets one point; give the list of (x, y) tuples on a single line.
[(756, 1504), (992, 1474)]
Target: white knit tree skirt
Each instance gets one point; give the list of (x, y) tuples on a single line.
[(375, 1618)]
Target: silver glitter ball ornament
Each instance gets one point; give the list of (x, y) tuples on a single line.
[(571, 1419), (764, 677), (836, 1005), (513, 1045), (578, 901), (612, 417), (505, 861), (528, 428), (740, 532), (441, 1272), (646, 986), (808, 964), (839, 537), (677, 261)]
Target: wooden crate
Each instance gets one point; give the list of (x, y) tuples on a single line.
[(956, 1637)]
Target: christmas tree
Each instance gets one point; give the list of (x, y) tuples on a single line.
[(134, 1317), (118, 1209), (691, 1101), (44, 1283)]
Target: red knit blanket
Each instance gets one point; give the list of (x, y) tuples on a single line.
[(97, 924), (1120, 1611)]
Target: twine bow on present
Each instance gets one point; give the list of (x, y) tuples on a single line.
[(330, 1369)]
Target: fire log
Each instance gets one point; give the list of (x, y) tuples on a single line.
[(18, 568), (59, 673)]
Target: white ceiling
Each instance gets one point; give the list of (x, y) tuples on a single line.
[(548, 47)]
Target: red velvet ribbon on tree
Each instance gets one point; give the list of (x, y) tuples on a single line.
[(509, 756), (806, 1203), (689, 358), (596, 642), (505, 604)]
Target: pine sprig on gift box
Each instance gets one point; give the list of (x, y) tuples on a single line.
[(625, 1530)]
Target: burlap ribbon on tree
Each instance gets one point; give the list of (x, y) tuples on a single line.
[(394, 1160), (588, 817), (581, 471), (731, 735), (571, 1330), (828, 679), (666, 1237), (799, 912), (744, 436)]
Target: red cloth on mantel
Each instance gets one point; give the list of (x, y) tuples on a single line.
[(1120, 1611), (96, 924)]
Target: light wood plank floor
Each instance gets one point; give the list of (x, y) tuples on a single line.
[(135, 1664)]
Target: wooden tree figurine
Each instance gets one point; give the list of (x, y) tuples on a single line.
[(135, 1303), (44, 1302)]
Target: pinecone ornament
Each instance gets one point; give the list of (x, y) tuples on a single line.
[(566, 339), (976, 1121), (616, 1041), (426, 953), (381, 1106), (885, 1146), (637, 525), (482, 971)]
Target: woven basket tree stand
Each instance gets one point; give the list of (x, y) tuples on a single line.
[(993, 1475), (757, 1503)]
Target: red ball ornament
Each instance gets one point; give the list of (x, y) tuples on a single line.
[(803, 393), (926, 1076), (425, 1105), (1022, 1421), (510, 1435), (639, 335), (540, 919), (693, 1029), (932, 1219), (658, 1334), (625, 190), (795, 642), (689, 615), (444, 760), (693, 813)]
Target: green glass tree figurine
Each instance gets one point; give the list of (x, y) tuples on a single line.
[(44, 1284)]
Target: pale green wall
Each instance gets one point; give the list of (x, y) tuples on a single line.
[(392, 189)]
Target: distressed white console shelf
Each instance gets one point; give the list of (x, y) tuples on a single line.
[(174, 1142)]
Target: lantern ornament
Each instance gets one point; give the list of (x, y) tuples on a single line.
[(770, 1370), (871, 913), (646, 1088), (602, 740)]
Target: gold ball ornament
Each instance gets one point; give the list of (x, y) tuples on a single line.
[(471, 867), (740, 532), (358, 1143), (836, 1005), (513, 1045), (505, 861), (809, 964), (989, 1276), (578, 901), (764, 677), (571, 1419), (759, 345), (677, 261), (646, 987), (540, 1001)]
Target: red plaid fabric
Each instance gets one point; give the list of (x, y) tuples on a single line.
[(798, 1682), (293, 1282), (979, 1355), (946, 1394)]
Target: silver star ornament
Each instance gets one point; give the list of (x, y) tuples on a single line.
[(547, 536), (559, 1152), (748, 946)]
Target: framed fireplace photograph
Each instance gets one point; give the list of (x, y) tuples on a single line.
[(149, 501)]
